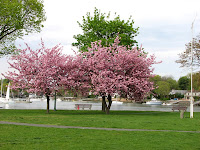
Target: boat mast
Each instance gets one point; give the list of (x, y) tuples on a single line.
[(1, 87), (8, 92)]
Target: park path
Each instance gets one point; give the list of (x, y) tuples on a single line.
[(90, 128)]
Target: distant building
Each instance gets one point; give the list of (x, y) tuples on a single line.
[(188, 94), (182, 92)]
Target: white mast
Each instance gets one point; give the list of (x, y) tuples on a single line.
[(8, 92), (1, 87)]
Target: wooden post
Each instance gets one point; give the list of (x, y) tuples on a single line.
[(182, 114)]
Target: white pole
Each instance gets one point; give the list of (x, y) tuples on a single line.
[(191, 98)]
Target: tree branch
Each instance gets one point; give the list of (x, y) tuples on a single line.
[(7, 34)]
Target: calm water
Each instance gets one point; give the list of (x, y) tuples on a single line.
[(96, 105)]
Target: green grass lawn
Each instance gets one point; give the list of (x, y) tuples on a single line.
[(25, 137), (116, 119)]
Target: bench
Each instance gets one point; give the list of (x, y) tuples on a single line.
[(83, 106), (181, 106)]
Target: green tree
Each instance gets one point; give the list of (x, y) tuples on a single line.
[(172, 83), (195, 81), (163, 89), (155, 79), (17, 18), (4, 83), (101, 27), (184, 83), (163, 85)]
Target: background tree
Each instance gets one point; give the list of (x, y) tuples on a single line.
[(172, 83), (163, 89), (4, 86), (184, 83), (195, 81), (38, 71), (115, 69), (155, 79), (19, 17), (185, 57), (101, 27)]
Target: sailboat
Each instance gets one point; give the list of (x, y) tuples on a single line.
[(5, 100), (1, 87), (1, 98), (117, 102), (154, 101), (8, 92)]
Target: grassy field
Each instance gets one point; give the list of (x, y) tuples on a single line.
[(24, 137)]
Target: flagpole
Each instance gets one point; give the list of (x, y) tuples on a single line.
[(191, 98)]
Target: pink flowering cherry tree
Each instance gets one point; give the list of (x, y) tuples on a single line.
[(39, 71), (76, 80), (116, 69)]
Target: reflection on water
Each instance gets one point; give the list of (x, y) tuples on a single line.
[(96, 105)]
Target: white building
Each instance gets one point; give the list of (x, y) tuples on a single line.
[(182, 92), (188, 94)]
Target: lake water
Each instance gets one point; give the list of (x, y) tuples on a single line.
[(96, 105)]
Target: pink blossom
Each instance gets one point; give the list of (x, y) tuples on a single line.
[(116, 69), (38, 71)]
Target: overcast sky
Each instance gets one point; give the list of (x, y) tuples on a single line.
[(164, 27)]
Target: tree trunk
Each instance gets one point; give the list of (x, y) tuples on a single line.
[(105, 107), (55, 102), (110, 101), (103, 103), (109, 104), (48, 99)]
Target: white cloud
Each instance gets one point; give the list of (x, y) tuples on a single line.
[(166, 53), (165, 26)]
